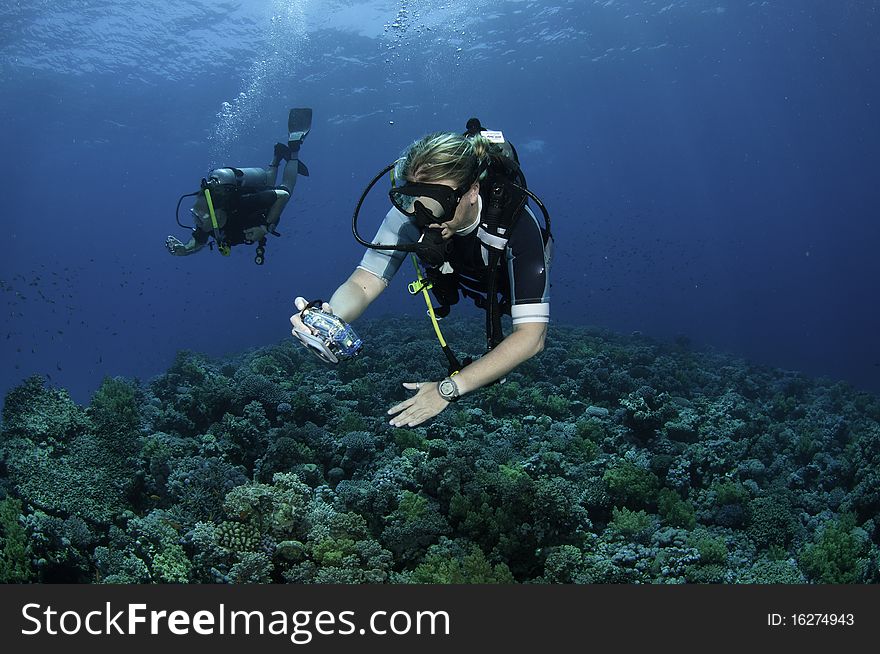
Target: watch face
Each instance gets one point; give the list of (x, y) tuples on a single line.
[(447, 388)]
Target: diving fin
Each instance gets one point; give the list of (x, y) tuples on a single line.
[(287, 153), (299, 122)]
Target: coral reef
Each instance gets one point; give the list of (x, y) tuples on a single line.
[(606, 459)]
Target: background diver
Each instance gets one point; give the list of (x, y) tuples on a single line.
[(242, 205)]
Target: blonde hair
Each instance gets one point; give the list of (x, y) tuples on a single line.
[(444, 156)]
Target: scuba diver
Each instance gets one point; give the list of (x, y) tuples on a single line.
[(237, 206), (460, 209)]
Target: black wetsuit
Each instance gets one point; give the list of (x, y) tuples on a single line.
[(524, 280), (243, 211)]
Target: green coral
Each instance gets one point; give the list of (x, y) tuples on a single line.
[(405, 438), (497, 513), (194, 394), (837, 555), (769, 571), (713, 551), (772, 521), (631, 485), (115, 406), (415, 524), (119, 567), (15, 566), (705, 574), (252, 568), (550, 404), (472, 568), (348, 421), (632, 525), (558, 515), (171, 566), (237, 536), (591, 429), (333, 551), (149, 550), (564, 564), (278, 509), (730, 492), (502, 399), (244, 437), (674, 510)]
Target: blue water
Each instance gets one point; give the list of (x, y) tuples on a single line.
[(710, 166)]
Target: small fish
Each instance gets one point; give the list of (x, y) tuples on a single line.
[(173, 523)]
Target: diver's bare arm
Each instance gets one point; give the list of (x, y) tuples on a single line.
[(180, 249), (274, 213), (193, 246), (526, 340), (352, 298)]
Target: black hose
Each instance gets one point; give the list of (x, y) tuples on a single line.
[(177, 211)]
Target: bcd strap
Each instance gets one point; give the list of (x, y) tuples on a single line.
[(491, 241), (494, 333), (222, 246), (423, 285)]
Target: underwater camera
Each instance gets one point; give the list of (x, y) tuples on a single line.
[(335, 339)]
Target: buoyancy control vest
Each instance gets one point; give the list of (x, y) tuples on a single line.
[(505, 196)]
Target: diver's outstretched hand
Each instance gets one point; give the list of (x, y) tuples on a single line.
[(416, 409), (175, 246)]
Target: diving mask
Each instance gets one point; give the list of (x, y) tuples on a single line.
[(429, 204)]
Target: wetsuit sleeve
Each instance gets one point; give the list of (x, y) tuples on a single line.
[(528, 265), (396, 229)]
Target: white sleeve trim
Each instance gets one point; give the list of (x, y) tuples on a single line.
[(530, 312), (374, 274)]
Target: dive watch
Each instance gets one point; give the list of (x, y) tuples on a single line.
[(448, 389)]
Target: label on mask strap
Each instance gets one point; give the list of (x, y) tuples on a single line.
[(493, 136)]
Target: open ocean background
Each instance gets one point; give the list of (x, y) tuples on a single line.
[(710, 166)]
